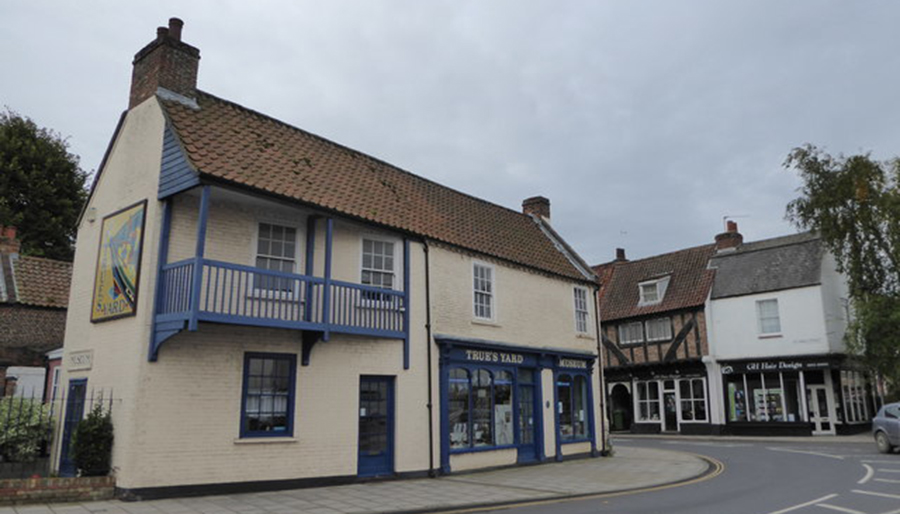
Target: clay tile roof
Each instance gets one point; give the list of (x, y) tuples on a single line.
[(689, 283), (230, 143), (42, 282)]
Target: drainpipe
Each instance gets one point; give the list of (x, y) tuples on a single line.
[(430, 405), (603, 450)]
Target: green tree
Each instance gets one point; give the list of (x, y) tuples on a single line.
[(92, 443), (854, 204), (42, 187)]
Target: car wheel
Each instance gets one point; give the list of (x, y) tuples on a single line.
[(881, 440)]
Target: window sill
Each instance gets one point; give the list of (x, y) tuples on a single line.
[(265, 440), (479, 449), (575, 441), (770, 336), (581, 335), (486, 322)]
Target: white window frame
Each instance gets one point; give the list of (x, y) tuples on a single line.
[(661, 285), (299, 258), (582, 316), (638, 401), (759, 318), (667, 321), (492, 294), (396, 272), (693, 400), (622, 340)]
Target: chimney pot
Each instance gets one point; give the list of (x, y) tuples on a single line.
[(167, 63), (537, 205), (8, 241), (620, 254), (730, 239), (175, 25)]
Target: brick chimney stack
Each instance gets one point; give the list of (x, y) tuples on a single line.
[(166, 63), (8, 241), (620, 255), (730, 239), (537, 205)]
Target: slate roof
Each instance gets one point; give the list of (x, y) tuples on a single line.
[(41, 282), (229, 143), (689, 283), (769, 265)]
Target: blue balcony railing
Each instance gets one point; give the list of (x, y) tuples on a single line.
[(244, 295)]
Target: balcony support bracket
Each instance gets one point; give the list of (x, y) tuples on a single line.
[(309, 339)]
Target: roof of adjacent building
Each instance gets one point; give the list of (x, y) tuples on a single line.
[(769, 265), (689, 282), (229, 143), (36, 281)]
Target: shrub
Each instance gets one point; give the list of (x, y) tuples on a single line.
[(24, 428), (92, 443)]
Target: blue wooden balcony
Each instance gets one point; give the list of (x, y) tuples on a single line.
[(203, 290), (244, 295)]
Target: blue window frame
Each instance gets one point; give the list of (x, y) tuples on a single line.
[(267, 401)]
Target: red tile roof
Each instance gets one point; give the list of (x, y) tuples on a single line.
[(42, 282), (227, 142), (689, 284)]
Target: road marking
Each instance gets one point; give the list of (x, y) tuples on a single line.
[(802, 505), (870, 472), (889, 470), (838, 457), (887, 480), (873, 493), (839, 509), (717, 445), (892, 512), (880, 461)]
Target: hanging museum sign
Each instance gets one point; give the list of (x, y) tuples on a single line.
[(118, 263)]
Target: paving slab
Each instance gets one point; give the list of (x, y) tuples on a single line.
[(631, 468)]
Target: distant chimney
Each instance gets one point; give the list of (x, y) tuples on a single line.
[(8, 241), (730, 239), (166, 62), (537, 205), (620, 255)]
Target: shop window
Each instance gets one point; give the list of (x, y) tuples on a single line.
[(268, 395), (693, 399), (854, 393), (480, 408), (648, 401), (581, 310), (737, 399), (503, 422), (659, 329), (483, 288), (571, 395), (768, 397), (769, 323), (458, 408), (276, 250), (631, 333)]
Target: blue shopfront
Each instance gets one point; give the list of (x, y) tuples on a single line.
[(492, 399)]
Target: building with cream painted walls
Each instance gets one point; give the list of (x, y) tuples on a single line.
[(268, 308)]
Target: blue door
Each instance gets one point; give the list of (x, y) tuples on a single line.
[(74, 413), (376, 426), (527, 430)]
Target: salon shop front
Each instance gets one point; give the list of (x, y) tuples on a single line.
[(804, 395)]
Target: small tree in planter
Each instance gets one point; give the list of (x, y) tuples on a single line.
[(92, 443)]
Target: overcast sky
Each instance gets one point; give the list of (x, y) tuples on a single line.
[(645, 123)]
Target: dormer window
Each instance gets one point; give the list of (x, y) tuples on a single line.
[(653, 291)]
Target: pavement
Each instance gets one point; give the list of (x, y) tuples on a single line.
[(630, 469)]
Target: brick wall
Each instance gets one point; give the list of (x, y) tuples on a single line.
[(27, 332), (15, 491)]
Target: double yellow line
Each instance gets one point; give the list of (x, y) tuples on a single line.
[(717, 467)]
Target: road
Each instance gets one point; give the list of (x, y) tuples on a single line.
[(762, 477)]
